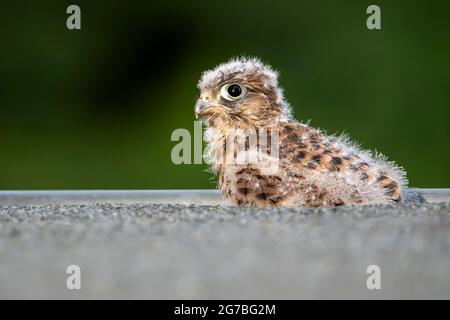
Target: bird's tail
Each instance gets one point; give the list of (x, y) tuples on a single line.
[(410, 196), (396, 193)]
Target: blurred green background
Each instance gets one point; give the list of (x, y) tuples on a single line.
[(95, 108)]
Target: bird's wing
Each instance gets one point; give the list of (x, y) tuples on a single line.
[(302, 146)]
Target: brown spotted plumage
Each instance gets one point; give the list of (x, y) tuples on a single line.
[(296, 165)]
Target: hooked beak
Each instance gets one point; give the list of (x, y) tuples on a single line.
[(200, 107)]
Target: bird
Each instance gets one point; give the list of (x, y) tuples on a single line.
[(305, 167)]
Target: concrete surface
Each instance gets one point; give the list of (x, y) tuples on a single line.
[(199, 197), (189, 251)]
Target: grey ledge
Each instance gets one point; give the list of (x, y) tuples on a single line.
[(199, 197)]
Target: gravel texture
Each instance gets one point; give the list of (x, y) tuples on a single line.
[(161, 251)]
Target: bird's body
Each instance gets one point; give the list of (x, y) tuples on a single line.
[(288, 163)]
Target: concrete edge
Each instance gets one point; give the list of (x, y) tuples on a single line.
[(202, 197)]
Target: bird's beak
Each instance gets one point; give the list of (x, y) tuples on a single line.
[(200, 107)]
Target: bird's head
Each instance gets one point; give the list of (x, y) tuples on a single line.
[(242, 93)]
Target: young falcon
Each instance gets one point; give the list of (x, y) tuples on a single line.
[(313, 169)]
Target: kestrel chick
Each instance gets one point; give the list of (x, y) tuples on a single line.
[(309, 168)]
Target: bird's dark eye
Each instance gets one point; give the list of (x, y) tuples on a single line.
[(234, 90)]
